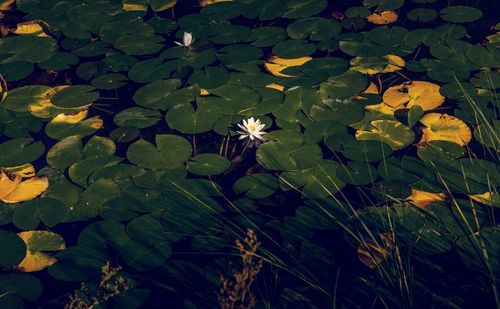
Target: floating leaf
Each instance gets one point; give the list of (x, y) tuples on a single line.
[(80, 96), (64, 125), (256, 186), (392, 132), (383, 5), (414, 114), (376, 65), (460, 14), (17, 190), (443, 127), (19, 151), (382, 18), (320, 181), (304, 8), (422, 15), (137, 117), (171, 151), (424, 94), (276, 64), (207, 164), (423, 199), (13, 249), (37, 242)]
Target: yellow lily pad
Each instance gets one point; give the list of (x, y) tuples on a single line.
[(35, 28), (423, 199), (276, 64), (444, 127), (6, 5), (487, 198), (377, 65), (382, 18), (208, 2), (70, 118), (24, 171), (276, 86), (16, 190), (36, 243), (421, 93)]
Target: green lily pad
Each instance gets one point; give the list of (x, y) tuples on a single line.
[(65, 152), (186, 119), (293, 49), (59, 61), (391, 132), (137, 117), (288, 152), (50, 211), (314, 28), (124, 134), (319, 182), (344, 86), (20, 151), (366, 151), (13, 249), (304, 8), (27, 48), (207, 164), (357, 173), (209, 77), (383, 5), (17, 287), (109, 81), (256, 186), (460, 14), (15, 71), (75, 96), (60, 129), (171, 152), (22, 98), (421, 15), (267, 36), (137, 45), (163, 94)]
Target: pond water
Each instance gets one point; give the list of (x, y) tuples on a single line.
[(249, 154)]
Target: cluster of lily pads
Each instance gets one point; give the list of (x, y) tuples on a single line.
[(133, 136)]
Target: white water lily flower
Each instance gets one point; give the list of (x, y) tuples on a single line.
[(187, 40), (252, 129)]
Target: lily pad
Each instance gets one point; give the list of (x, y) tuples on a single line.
[(207, 164), (171, 152)]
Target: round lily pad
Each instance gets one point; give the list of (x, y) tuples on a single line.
[(460, 14), (256, 186), (293, 49), (13, 249), (207, 164), (75, 96), (171, 151), (109, 81), (422, 15), (137, 117), (124, 134)]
